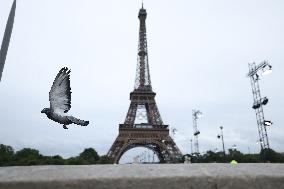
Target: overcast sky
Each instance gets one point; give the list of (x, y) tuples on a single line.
[(198, 54)]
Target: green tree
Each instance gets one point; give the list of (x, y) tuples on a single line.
[(76, 161), (269, 155), (90, 156), (236, 155), (251, 158), (57, 160), (6, 155), (104, 160), (52, 160), (211, 157), (27, 156)]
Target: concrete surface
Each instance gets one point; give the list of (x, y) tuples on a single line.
[(164, 176)]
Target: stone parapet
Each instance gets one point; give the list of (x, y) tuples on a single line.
[(145, 176)]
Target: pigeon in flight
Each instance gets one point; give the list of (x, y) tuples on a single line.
[(60, 101)]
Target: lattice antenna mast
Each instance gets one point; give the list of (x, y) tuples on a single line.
[(195, 115), (142, 80), (258, 101)]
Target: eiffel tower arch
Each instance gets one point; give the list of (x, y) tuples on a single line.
[(143, 125)]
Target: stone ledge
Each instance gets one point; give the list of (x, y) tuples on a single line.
[(145, 176)]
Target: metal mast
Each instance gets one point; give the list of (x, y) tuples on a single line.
[(195, 115), (259, 102), (222, 138), (191, 146)]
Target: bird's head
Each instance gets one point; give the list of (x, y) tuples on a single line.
[(45, 110)]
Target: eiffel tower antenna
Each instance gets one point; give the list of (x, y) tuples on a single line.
[(143, 125), (6, 38), (142, 80)]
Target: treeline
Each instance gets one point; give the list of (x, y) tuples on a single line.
[(265, 156), (28, 156)]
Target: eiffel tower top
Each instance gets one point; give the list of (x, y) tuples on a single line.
[(142, 80)]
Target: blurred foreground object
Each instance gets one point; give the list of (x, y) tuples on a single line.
[(6, 38)]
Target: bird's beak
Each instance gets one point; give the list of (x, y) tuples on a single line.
[(42, 111)]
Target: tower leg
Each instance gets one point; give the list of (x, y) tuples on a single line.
[(165, 148)]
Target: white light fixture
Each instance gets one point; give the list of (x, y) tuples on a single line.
[(264, 101), (199, 115), (267, 69), (267, 123), (174, 130)]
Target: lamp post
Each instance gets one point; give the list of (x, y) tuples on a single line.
[(266, 68), (191, 146), (222, 138), (196, 114), (174, 132)]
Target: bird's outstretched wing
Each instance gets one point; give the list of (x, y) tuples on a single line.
[(60, 93)]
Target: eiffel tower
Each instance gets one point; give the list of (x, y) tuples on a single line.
[(143, 126)]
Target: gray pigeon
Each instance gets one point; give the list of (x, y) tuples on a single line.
[(60, 101)]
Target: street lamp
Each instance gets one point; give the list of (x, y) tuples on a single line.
[(248, 149), (216, 150), (174, 131), (196, 114), (222, 137), (191, 146), (266, 69), (267, 123), (154, 156)]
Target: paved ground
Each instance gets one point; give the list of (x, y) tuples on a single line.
[(164, 176)]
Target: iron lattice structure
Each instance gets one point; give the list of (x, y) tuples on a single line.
[(263, 137), (195, 115), (143, 125), (142, 79)]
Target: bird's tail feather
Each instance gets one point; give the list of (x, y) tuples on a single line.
[(78, 121)]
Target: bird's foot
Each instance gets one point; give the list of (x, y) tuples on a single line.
[(64, 127)]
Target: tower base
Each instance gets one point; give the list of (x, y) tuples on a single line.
[(156, 138)]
